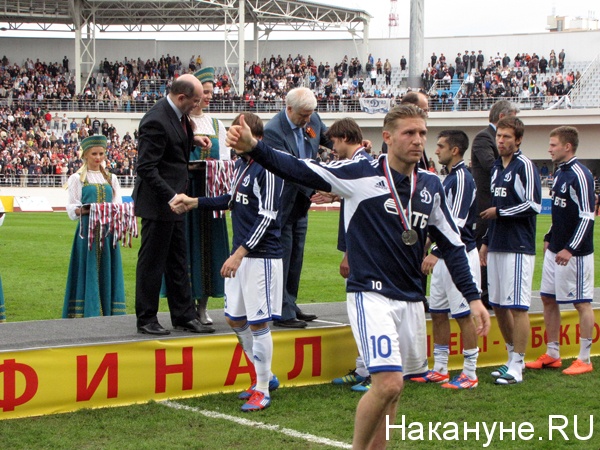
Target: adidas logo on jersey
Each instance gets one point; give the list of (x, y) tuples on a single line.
[(260, 312), (570, 295), (381, 185)]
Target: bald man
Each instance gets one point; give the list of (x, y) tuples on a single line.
[(165, 142)]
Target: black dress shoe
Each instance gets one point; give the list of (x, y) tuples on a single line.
[(305, 316), (153, 328), (290, 323), (195, 326)]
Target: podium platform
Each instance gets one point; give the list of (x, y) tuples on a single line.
[(35, 335)]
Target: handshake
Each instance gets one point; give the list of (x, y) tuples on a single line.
[(182, 203)]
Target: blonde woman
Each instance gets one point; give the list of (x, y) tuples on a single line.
[(95, 285)]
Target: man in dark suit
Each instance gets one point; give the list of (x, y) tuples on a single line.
[(480, 61), (165, 141), (297, 130), (484, 154)]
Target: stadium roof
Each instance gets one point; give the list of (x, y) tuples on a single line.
[(176, 15)]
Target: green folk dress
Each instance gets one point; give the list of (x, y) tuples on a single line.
[(207, 239), (95, 285)]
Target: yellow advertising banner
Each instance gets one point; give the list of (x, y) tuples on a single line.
[(7, 201), (56, 380), (492, 350), (47, 381)]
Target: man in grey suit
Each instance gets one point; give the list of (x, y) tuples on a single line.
[(484, 154), (165, 141), (297, 130)]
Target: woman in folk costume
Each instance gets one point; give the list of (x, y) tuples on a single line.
[(207, 236), (2, 310), (95, 285)]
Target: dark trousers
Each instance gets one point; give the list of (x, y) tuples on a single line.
[(293, 239), (163, 252), (480, 230)]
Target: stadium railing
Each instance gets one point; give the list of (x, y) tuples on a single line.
[(235, 105), (44, 181)]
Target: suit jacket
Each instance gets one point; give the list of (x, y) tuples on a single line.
[(483, 155), (162, 169), (295, 199)]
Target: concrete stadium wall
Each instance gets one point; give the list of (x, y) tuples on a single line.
[(579, 46)]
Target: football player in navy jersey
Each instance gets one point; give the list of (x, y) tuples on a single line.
[(396, 205), (508, 247), (254, 271), (568, 274), (444, 297)]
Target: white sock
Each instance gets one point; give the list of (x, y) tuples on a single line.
[(361, 369), (244, 335), (515, 367), (585, 347), (263, 355), (440, 358), (510, 349), (470, 363), (553, 350)]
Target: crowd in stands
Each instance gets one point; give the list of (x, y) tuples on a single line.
[(135, 85), (38, 149), (526, 78)]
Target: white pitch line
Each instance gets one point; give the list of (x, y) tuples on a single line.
[(260, 425)]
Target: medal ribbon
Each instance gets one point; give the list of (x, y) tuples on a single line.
[(218, 180), (117, 219), (403, 214)]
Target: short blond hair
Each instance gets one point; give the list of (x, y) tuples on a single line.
[(405, 111)]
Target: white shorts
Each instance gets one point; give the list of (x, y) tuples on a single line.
[(256, 291), (509, 279), (444, 296), (573, 283), (391, 335)]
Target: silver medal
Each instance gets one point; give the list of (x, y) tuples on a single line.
[(410, 237)]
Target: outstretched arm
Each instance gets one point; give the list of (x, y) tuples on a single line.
[(304, 172)]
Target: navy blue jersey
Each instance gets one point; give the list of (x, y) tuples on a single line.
[(517, 195), (460, 190), (254, 219), (379, 260), (572, 210), (341, 246)]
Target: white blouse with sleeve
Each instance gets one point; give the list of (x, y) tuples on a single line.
[(75, 186)]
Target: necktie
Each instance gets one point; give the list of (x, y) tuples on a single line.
[(300, 142), (183, 124)]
